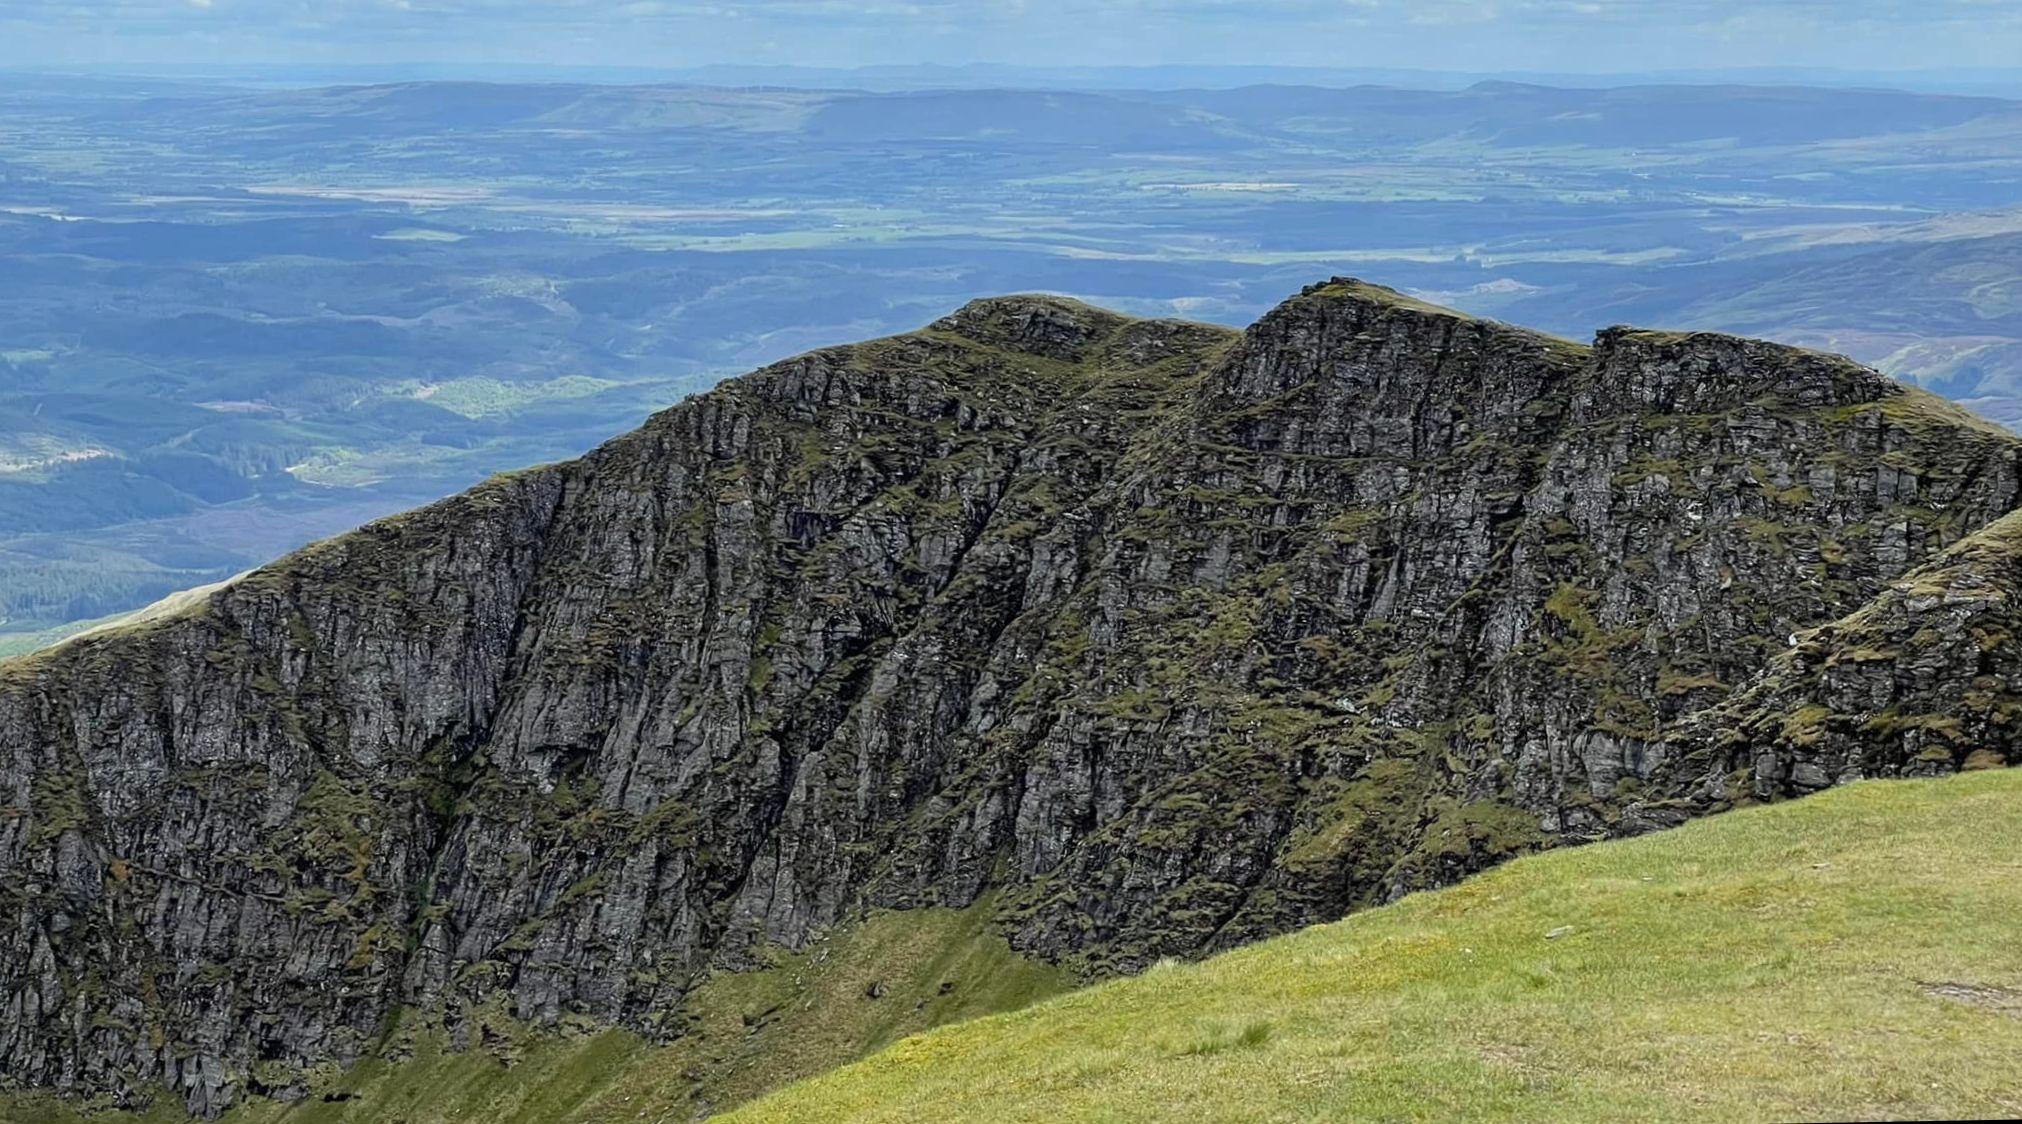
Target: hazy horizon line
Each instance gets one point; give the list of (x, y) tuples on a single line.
[(907, 76)]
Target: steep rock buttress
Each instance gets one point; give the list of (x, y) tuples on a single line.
[(1162, 637)]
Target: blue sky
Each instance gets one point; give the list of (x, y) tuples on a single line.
[(1562, 35)]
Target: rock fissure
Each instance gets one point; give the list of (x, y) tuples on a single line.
[(1151, 638)]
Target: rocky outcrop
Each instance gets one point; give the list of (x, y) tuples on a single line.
[(1926, 679), (1163, 638)]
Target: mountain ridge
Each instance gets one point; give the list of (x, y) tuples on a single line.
[(1157, 638)]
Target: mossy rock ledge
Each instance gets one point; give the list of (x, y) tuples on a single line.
[(1117, 640)]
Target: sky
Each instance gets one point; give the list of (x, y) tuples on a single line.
[(1573, 36)]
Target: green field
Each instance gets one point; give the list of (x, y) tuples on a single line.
[(1849, 956)]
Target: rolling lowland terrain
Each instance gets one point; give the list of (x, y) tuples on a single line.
[(235, 320), (925, 677)]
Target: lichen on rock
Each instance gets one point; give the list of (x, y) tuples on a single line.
[(1155, 637)]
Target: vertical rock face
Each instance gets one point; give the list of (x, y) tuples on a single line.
[(1168, 638)]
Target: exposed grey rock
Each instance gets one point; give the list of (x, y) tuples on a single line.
[(1172, 639)]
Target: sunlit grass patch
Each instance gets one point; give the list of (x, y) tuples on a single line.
[(1832, 958)]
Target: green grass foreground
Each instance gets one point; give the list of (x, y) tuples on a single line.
[(1854, 955)]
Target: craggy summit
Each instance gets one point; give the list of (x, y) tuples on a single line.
[(1145, 638)]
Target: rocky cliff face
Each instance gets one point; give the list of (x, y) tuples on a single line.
[(1159, 637)]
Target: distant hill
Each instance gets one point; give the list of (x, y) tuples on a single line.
[(238, 319), (1966, 80), (1942, 306), (1947, 313)]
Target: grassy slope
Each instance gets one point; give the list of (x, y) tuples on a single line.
[(753, 1032), (24, 643), (21, 643), (1851, 955)]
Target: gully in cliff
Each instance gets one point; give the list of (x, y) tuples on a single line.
[(1111, 639)]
